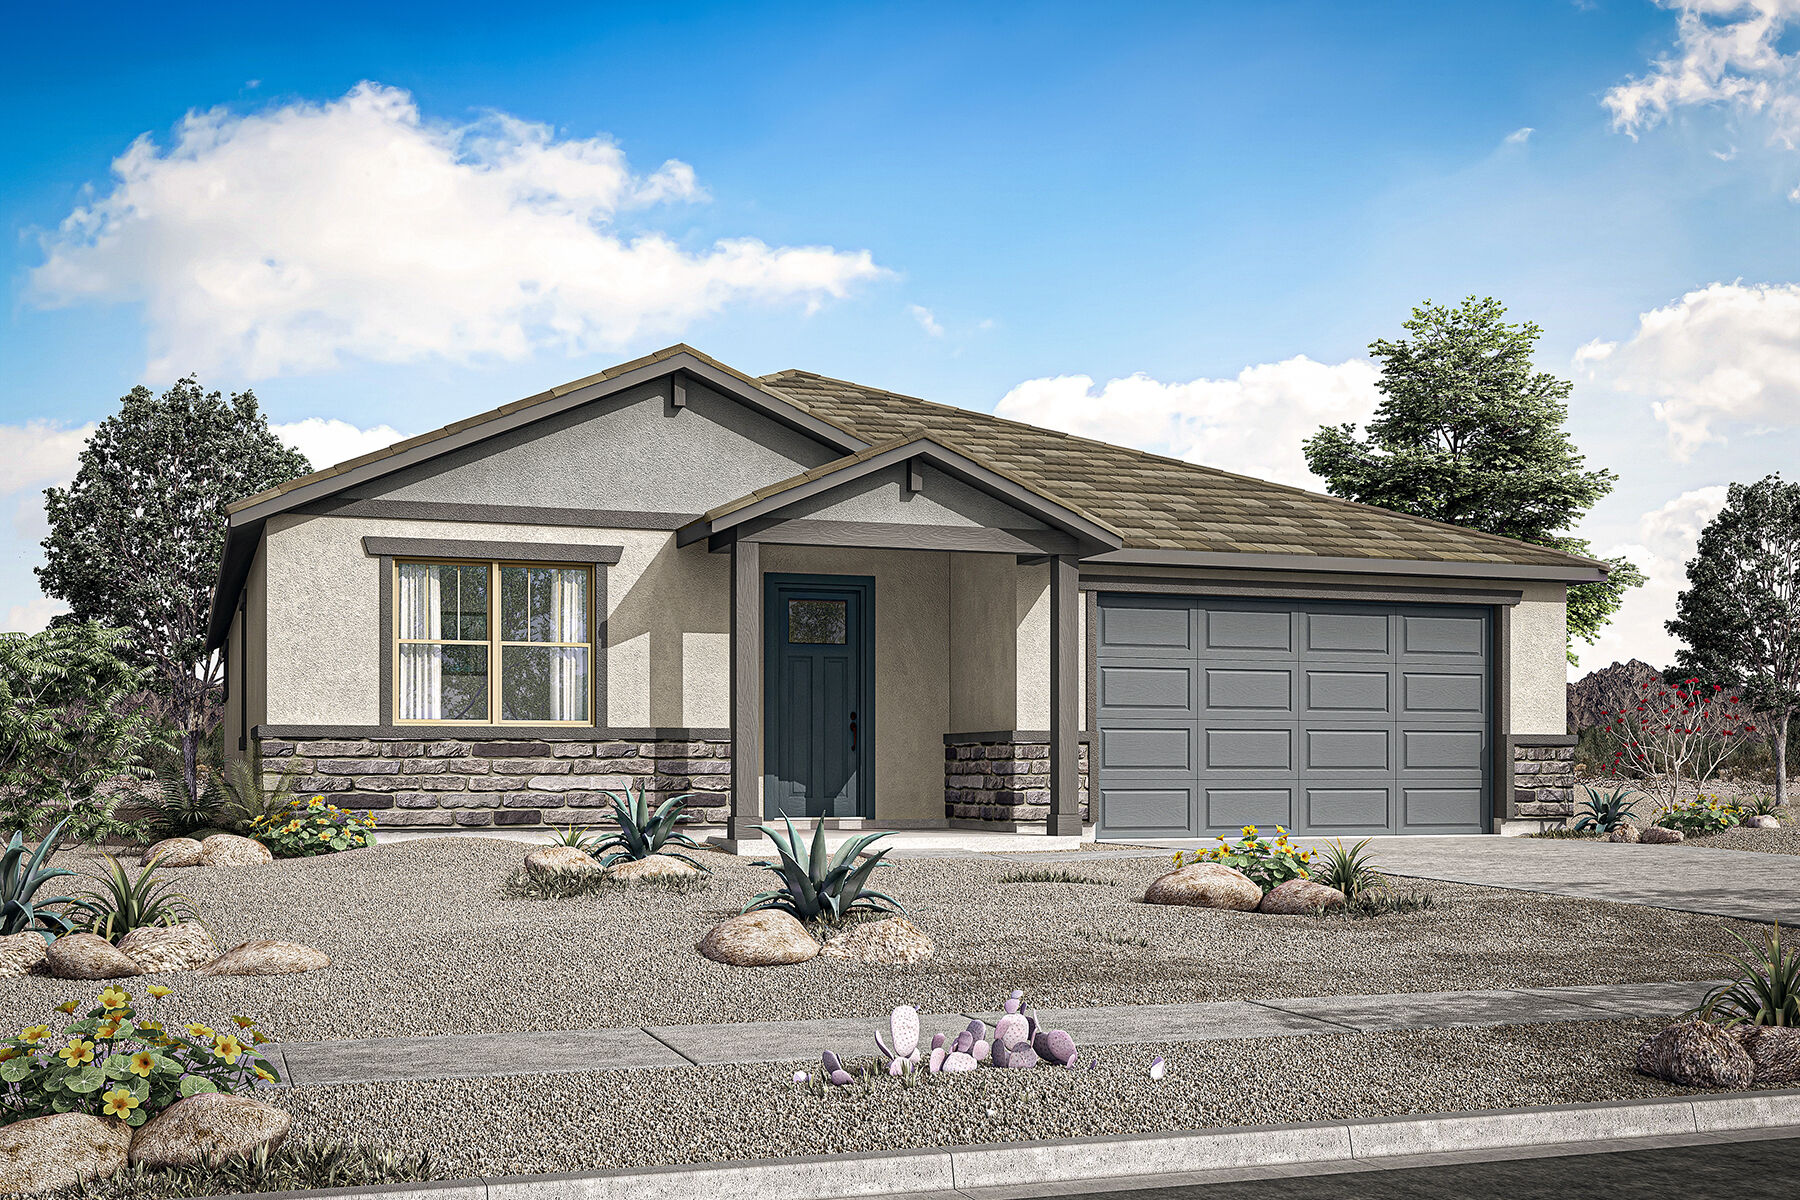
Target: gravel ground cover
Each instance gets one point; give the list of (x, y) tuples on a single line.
[(615, 1119), (1785, 840), (424, 941)]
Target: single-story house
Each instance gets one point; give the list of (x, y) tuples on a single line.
[(792, 595)]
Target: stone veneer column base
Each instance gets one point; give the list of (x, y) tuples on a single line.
[(1002, 783), (1543, 781), (467, 783)]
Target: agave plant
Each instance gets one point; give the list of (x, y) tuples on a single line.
[(1604, 809), (641, 832), (22, 874), (1351, 871), (121, 904), (1767, 992), (816, 884), (576, 836)]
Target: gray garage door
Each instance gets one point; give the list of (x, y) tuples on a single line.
[(1324, 718)]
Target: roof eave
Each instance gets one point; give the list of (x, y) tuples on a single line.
[(1573, 572)]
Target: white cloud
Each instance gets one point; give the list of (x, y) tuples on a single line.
[(1727, 53), (33, 615), (1252, 424), (1518, 137), (1665, 540), (1725, 355), (927, 321), (40, 453), (288, 238), (327, 441)]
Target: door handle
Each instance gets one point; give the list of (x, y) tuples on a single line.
[(853, 730)]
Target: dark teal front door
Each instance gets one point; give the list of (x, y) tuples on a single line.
[(819, 686)]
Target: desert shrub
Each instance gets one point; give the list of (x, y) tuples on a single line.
[(1381, 902), (120, 904), (297, 1166), (309, 827), (816, 885), (1565, 834), (1678, 736), (1766, 990), (1351, 871), (23, 876), (1604, 809), (1707, 814), (109, 1063), (1044, 875), (1267, 863)]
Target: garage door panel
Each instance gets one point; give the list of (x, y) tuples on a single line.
[(1443, 807), (1233, 808), (1443, 693), (1135, 688), (1157, 628), (1348, 691), (1466, 636), (1348, 633), (1442, 749), (1249, 749), (1149, 810), (1263, 630), (1147, 749), (1248, 689), (1367, 808), (1348, 750)]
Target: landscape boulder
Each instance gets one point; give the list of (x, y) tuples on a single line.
[(893, 942), (172, 852), (211, 1124), (60, 1149), (560, 862), (1624, 833), (1775, 1049), (1299, 896), (1761, 821), (652, 869), (267, 958), (1656, 835), (765, 938), (22, 954), (88, 956), (159, 948), (1205, 885), (1696, 1054), (230, 850)]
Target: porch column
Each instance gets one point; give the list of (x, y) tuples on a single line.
[(1065, 685), (746, 691)]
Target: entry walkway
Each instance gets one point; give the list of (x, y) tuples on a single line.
[(677, 1046)]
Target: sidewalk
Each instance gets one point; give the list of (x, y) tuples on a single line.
[(678, 1046)]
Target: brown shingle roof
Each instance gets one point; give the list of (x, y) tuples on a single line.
[(1157, 502)]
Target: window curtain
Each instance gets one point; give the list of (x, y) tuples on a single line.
[(568, 681), (421, 667)]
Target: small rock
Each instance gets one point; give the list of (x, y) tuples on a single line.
[(1205, 885), (1696, 1054), (230, 850), (173, 852), (61, 1149), (1298, 896), (1775, 1049), (893, 942), (22, 954), (560, 862), (267, 958), (159, 948), (1656, 835), (1624, 833), (88, 956), (211, 1124), (1761, 821), (768, 937), (656, 866)]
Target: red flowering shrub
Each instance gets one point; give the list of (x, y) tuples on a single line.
[(1676, 736)]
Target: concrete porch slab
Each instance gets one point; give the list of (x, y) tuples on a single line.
[(907, 843)]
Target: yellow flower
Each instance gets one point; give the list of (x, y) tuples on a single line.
[(67, 1006), (34, 1034), (257, 1039), (10, 1053), (229, 1049), (198, 1032), (114, 997), (1249, 830), (150, 1026), (142, 1063), (264, 1075), (160, 990), (77, 1052), (1280, 829), (108, 1029), (119, 1103)]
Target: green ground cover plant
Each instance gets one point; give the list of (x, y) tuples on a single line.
[(308, 827)]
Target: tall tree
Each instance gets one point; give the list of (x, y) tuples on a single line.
[(1470, 432), (135, 540), (1739, 616)]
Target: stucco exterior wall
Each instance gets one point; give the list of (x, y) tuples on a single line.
[(944, 500), (983, 650), (1031, 639), (1540, 662)]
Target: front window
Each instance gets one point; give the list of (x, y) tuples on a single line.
[(493, 643)]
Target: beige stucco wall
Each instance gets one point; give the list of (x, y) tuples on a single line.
[(1540, 662), (983, 662), (1031, 636)]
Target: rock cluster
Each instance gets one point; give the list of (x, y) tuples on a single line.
[(1015, 1042), (266, 957), (88, 956), (1656, 835), (652, 867), (1696, 1054), (1624, 833), (1215, 885), (154, 949), (172, 852), (1299, 896), (230, 850), (22, 954), (66, 1148), (1761, 821), (768, 937), (892, 942), (560, 862)]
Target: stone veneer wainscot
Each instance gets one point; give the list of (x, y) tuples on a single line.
[(455, 783), (999, 779), (1543, 781)]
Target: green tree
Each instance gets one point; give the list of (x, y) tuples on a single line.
[(72, 718), (135, 540), (1470, 432), (1739, 616)]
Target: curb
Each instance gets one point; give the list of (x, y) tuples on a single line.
[(1099, 1162)]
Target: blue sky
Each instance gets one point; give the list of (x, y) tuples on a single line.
[(1177, 226)]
